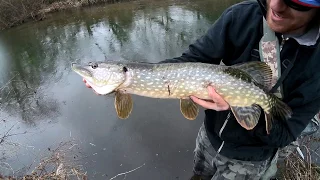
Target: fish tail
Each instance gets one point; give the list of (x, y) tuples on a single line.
[(278, 110)]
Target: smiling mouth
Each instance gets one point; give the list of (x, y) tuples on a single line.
[(277, 15)]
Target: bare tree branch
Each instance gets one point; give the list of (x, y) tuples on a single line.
[(7, 134)]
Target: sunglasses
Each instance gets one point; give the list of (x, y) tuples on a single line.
[(296, 6)]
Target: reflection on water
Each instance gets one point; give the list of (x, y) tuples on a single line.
[(36, 82), (38, 54)]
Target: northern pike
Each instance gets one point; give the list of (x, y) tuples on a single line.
[(243, 86)]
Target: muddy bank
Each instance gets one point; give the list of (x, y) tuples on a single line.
[(16, 12)]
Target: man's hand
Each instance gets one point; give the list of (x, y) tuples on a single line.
[(217, 103), (88, 86)]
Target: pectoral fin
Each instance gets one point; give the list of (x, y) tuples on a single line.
[(123, 104), (247, 117), (189, 109)]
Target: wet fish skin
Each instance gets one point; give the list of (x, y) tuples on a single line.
[(242, 86), (174, 81)]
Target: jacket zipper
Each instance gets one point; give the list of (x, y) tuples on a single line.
[(281, 46), (220, 132), (228, 116), (282, 42)]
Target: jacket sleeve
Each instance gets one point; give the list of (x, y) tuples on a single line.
[(285, 132), (212, 47)]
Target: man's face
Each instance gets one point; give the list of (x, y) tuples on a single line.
[(283, 19)]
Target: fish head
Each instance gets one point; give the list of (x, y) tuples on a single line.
[(103, 77)]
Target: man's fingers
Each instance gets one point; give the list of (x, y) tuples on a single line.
[(221, 103), (217, 103), (214, 95), (205, 104), (88, 86)]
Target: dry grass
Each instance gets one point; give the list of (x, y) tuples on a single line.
[(15, 12), (60, 164), (296, 167)]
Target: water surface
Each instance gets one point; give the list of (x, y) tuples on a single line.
[(43, 98)]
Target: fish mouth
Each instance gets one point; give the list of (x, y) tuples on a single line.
[(81, 70)]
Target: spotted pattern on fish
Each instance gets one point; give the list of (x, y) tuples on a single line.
[(242, 86), (183, 80)]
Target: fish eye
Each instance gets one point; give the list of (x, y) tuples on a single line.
[(125, 69), (94, 65)]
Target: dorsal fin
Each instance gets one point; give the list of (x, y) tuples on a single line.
[(259, 71)]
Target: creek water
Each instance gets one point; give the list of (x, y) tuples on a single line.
[(44, 104)]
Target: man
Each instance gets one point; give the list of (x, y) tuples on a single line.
[(225, 150)]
